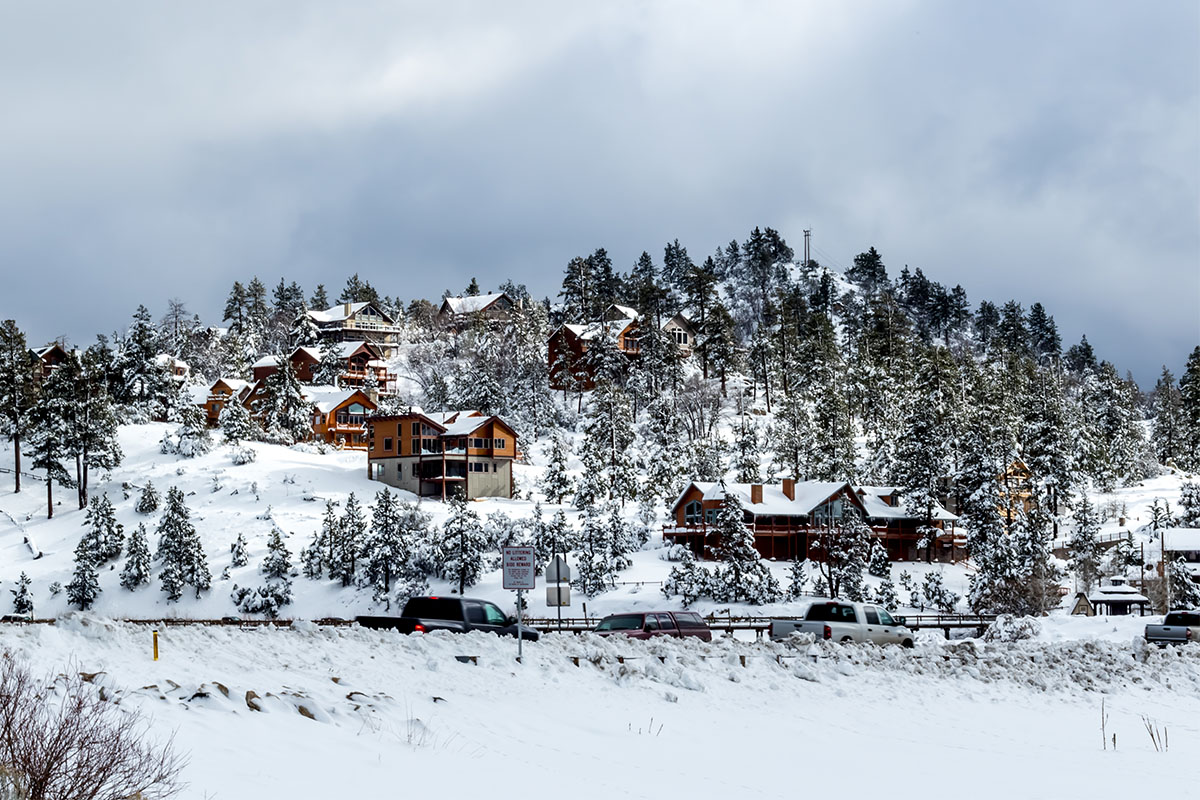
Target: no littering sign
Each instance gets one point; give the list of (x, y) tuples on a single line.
[(520, 568)]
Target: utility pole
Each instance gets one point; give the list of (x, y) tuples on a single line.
[(807, 236)]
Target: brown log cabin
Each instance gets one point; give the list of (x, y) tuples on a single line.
[(50, 357), (569, 344), (361, 359), (787, 519), (458, 313), (443, 454), (356, 322)]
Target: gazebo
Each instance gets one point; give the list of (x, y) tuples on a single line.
[(1117, 599)]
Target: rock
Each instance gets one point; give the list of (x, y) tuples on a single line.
[(252, 701)]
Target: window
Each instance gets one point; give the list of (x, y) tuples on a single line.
[(476, 614), (885, 618), (665, 622), (498, 444), (621, 622), (387, 443), (415, 446), (494, 615), (651, 623), (691, 513), (416, 469), (216, 407), (689, 619), (710, 516), (830, 612), (416, 429), (871, 615)]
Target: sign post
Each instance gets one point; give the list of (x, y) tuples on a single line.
[(557, 595), (520, 573)]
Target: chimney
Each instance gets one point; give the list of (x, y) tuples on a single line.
[(346, 308), (789, 488), (756, 493)]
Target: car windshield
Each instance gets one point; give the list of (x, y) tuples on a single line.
[(621, 622)]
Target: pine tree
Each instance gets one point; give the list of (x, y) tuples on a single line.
[(237, 552), (347, 547), (1084, 550), (688, 580), (879, 564), (105, 535), (17, 390), (148, 500), (22, 597), (742, 576), (1167, 436), (555, 482), (797, 579), (1189, 402), (136, 571), (459, 546), (845, 551), (191, 438), (1189, 504), (49, 432), (277, 565), (286, 415), (304, 331), (179, 550), (387, 555), (84, 587), (936, 593), (236, 423), (332, 364), (312, 558), (93, 424), (596, 567), (885, 595), (662, 450), (1185, 590), (922, 455), (606, 448)]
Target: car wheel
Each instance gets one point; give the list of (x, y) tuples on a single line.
[(847, 640), (907, 643)]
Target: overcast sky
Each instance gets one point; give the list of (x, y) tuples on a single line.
[(1038, 151)]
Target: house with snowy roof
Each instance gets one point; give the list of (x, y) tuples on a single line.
[(458, 313), (360, 359), (789, 519), (569, 344), (339, 413), (221, 392), (349, 322), (50, 357), (443, 454)]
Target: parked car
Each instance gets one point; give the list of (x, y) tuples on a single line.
[(1177, 627), (646, 625), (457, 614), (845, 623)]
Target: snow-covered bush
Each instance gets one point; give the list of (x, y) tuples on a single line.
[(1008, 628), (148, 500), (242, 454)]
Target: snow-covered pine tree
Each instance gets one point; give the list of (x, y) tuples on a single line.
[(277, 565), (287, 416), (237, 552), (662, 449), (1189, 504), (1038, 577), (105, 536), (1189, 409), (179, 549), (386, 556), (1084, 550), (93, 423), (22, 597), (84, 587), (304, 331), (191, 438), (312, 558), (742, 576), (595, 571), (347, 547), (936, 593), (688, 580), (922, 454), (136, 571), (845, 549), (747, 461), (236, 423), (50, 432), (1185, 590), (1167, 427), (608, 438), (17, 389), (328, 370), (885, 595), (878, 563), (148, 500), (797, 579), (459, 546), (556, 484)]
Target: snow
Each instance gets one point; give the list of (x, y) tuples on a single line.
[(472, 304)]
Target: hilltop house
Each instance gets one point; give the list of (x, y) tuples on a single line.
[(50, 357), (568, 347), (360, 359), (457, 313), (351, 322), (788, 519), (443, 454), (220, 393)]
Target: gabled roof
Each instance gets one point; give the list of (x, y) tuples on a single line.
[(809, 495), (877, 509), (680, 320), (591, 330), (234, 385), (472, 304), (339, 313), (455, 423), (617, 311), (346, 349), (42, 352), (327, 398), (266, 361)]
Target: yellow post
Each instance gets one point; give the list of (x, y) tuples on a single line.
[(156, 645)]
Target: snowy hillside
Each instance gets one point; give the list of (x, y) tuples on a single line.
[(355, 713)]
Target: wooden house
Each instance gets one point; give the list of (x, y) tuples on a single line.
[(357, 322), (50, 357), (458, 313), (898, 527), (788, 520), (361, 359), (340, 415), (444, 454), (221, 392), (569, 344)]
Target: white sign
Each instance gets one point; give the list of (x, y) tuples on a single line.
[(520, 568), (558, 595), (558, 571)]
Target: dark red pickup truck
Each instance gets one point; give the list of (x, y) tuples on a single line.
[(644, 625)]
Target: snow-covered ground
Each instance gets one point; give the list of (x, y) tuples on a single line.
[(384, 713)]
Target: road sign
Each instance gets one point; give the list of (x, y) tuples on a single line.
[(558, 595), (520, 568), (558, 571)]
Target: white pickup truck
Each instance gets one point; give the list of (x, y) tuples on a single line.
[(843, 622)]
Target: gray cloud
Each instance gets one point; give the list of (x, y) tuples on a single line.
[(1039, 152)]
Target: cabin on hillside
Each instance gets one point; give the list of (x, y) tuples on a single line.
[(220, 393), (443, 454), (788, 520), (51, 357), (360, 359), (458, 313), (569, 345), (357, 322), (340, 415)]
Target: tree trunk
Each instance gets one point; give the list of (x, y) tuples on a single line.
[(81, 490), (17, 464), (49, 497)]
